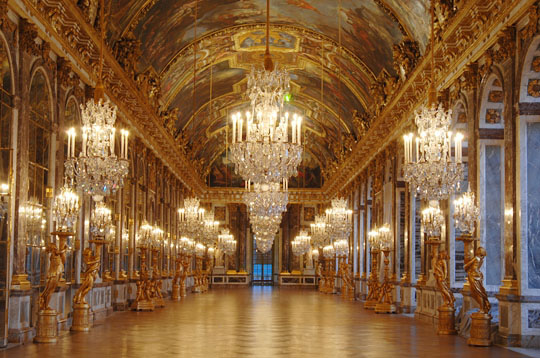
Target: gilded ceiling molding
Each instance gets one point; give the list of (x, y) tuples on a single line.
[(81, 41), (475, 17), (237, 28), (143, 10), (400, 23)]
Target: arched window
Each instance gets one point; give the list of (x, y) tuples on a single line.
[(491, 178), (5, 115), (529, 166), (39, 143), (459, 124)]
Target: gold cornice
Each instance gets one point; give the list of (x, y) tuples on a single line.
[(234, 195), (399, 111), (134, 105)]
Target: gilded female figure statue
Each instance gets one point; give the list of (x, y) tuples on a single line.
[(441, 275), (92, 265), (56, 268), (476, 278)]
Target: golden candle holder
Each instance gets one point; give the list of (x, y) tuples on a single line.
[(47, 325), (176, 280), (321, 275), (81, 308), (186, 261), (385, 303), (481, 321), (197, 287), (156, 283), (329, 276), (143, 301), (468, 243), (446, 323), (347, 285), (373, 281)]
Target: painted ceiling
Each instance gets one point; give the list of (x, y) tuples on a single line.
[(304, 39)]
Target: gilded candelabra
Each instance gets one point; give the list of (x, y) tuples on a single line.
[(81, 308), (347, 283), (47, 327), (176, 280), (198, 274), (446, 324), (156, 282), (143, 300), (321, 275), (385, 302), (186, 263), (481, 320), (373, 280), (329, 279)]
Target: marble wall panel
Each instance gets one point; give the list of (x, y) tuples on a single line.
[(533, 204), (493, 213)]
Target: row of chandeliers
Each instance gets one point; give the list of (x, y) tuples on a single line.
[(267, 150)]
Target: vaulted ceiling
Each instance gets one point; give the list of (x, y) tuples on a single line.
[(304, 39)]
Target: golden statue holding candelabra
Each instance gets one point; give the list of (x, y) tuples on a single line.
[(373, 281), (143, 300), (481, 320)]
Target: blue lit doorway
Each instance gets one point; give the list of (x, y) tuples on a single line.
[(262, 267)]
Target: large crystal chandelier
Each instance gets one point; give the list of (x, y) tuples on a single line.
[(266, 199), (97, 170), (430, 169), (191, 219), (319, 235), (339, 220)]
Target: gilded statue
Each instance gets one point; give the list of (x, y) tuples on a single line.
[(92, 263), (441, 275), (56, 268), (476, 278)]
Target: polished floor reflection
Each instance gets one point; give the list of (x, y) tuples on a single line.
[(258, 322)]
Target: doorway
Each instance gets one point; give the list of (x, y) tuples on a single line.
[(262, 267)]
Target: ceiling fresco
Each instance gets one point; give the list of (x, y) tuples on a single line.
[(231, 40)]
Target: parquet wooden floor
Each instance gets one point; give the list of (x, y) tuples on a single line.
[(258, 322)]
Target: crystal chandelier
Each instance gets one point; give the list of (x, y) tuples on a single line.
[(97, 170), (266, 153), (157, 236), (211, 229), (430, 169), (319, 235), (266, 199), (432, 219), (466, 213), (66, 209), (191, 218), (315, 254), (200, 250), (339, 220), (301, 243)]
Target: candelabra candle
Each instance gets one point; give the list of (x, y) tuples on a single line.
[(101, 219), (373, 238), (329, 251), (66, 209), (341, 247), (315, 254), (200, 250), (144, 236), (157, 237), (385, 237), (432, 219), (466, 213)]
